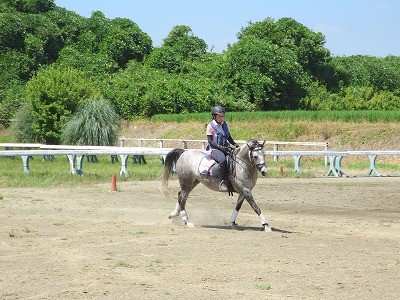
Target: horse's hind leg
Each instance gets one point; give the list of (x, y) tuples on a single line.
[(178, 206), (176, 211), (182, 197), (181, 205)]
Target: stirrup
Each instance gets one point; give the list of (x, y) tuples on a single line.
[(222, 186)]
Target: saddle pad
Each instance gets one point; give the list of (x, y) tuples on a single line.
[(206, 164)]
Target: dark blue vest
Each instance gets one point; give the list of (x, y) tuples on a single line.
[(221, 133)]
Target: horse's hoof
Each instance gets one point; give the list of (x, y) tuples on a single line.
[(267, 228), (191, 225), (234, 226)]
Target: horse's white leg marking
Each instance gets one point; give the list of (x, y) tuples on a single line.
[(234, 216), (184, 216), (262, 219), (175, 213), (264, 223), (185, 219)]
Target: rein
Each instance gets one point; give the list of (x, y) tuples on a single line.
[(253, 164)]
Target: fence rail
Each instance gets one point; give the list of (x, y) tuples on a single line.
[(76, 153), (201, 144), (335, 159)]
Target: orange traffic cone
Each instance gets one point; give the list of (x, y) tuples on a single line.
[(281, 170), (114, 183)]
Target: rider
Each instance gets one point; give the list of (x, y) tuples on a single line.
[(219, 137)]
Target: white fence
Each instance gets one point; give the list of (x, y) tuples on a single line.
[(201, 144), (335, 159), (75, 155)]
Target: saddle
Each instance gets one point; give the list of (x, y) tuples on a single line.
[(210, 165)]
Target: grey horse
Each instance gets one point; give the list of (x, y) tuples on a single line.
[(247, 159)]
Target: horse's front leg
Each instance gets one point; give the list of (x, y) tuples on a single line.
[(236, 211), (249, 197)]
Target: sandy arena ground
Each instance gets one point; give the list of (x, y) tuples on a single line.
[(333, 238)]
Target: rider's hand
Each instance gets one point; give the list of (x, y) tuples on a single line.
[(224, 149), (236, 145)]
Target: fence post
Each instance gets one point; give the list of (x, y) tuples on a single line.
[(326, 157), (276, 149)]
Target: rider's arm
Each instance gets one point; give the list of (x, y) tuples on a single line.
[(213, 144), (230, 140)]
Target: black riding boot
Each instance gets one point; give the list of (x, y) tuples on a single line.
[(223, 173)]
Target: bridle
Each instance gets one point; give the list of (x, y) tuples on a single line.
[(259, 147), (252, 163)]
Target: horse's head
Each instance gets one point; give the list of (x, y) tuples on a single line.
[(257, 156)]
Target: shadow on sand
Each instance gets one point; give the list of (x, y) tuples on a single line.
[(246, 228)]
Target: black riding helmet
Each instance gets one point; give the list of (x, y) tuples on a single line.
[(218, 110)]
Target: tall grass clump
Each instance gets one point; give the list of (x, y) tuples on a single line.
[(94, 123)]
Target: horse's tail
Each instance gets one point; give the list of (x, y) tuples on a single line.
[(169, 162)]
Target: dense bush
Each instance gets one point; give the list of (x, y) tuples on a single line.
[(53, 95), (350, 98)]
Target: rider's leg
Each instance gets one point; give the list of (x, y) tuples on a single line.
[(223, 173)]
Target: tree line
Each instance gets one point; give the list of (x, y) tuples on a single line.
[(56, 64)]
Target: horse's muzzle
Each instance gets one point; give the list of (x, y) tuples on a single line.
[(263, 169)]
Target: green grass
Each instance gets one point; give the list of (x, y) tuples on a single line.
[(28, 230), (123, 264), (371, 116), (263, 287), (45, 174), (56, 173)]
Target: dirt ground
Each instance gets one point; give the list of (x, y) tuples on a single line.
[(332, 238)]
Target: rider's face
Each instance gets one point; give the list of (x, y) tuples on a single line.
[(219, 118)]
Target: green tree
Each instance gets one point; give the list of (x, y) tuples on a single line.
[(54, 95), (125, 41), (94, 65), (288, 33), (12, 31), (270, 76), (97, 30), (31, 6), (140, 91), (274, 62), (362, 70), (180, 49), (71, 24), (185, 43)]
